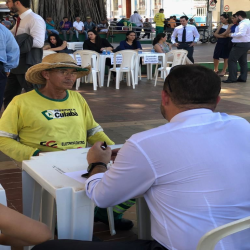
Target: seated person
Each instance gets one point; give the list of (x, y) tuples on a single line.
[(89, 24), (6, 23), (103, 26), (113, 24), (57, 44), (50, 28), (192, 22), (130, 42), (192, 171), (66, 28), (79, 29), (147, 26), (18, 230), (53, 113), (160, 44)]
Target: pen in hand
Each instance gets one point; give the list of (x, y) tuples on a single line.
[(104, 146)]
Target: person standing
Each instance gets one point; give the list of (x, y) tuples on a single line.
[(29, 31), (159, 20), (241, 45), (137, 20), (187, 37), (79, 28), (66, 27), (222, 48), (9, 57)]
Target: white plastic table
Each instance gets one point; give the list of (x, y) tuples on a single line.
[(75, 211), (149, 65)]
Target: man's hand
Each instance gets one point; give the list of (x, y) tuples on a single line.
[(176, 44), (7, 73), (49, 32), (98, 154), (192, 44)]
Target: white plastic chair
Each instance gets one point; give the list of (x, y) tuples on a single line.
[(179, 58), (128, 66), (48, 52), (3, 201), (89, 57), (210, 239)]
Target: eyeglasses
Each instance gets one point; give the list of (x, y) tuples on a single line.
[(65, 72)]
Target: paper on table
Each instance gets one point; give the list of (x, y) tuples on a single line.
[(77, 175)]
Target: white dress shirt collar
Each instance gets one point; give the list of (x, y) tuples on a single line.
[(26, 13), (186, 114)]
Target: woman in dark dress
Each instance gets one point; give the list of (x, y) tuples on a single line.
[(96, 43), (130, 42), (222, 49)]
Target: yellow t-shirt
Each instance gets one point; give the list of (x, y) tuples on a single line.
[(34, 122), (159, 19)]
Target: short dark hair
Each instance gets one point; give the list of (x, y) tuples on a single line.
[(25, 3), (193, 86), (65, 17), (161, 10), (184, 17), (241, 13), (135, 11), (225, 15)]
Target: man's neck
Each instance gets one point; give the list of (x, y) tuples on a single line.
[(22, 10), (53, 93)]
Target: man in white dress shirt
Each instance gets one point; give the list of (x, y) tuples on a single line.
[(137, 19), (187, 37), (79, 28), (30, 45), (241, 45), (193, 171)]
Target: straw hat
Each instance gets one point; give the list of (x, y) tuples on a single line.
[(53, 61)]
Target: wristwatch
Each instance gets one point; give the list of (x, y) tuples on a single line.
[(91, 167)]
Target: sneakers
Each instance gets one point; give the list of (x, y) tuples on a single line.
[(120, 224)]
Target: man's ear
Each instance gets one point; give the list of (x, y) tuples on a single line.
[(45, 74), (164, 98), (218, 100)]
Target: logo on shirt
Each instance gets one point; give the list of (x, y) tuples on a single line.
[(59, 113), (52, 144)]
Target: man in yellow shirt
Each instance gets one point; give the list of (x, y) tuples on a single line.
[(159, 20), (53, 118)]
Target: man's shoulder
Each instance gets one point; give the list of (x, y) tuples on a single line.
[(33, 15), (75, 95), (19, 99)]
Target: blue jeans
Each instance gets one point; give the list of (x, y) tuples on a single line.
[(84, 32), (47, 35)]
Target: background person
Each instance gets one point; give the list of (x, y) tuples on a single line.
[(147, 27), (29, 32), (50, 28), (187, 37), (238, 53), (130, 42), (159, 20), (66, 28), (180, 168), (9, 57), (137, 20), (89, 24), (160, 44), (79, 28), (222, 48), (57, 44)]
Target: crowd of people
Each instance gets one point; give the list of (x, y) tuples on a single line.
[(191, 170)]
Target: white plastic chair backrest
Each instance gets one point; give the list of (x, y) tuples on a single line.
[(179, 57), (89, 57), (210, 239), (48, 52), (128, 59)]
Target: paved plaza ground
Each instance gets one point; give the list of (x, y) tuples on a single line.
[(122, 113)]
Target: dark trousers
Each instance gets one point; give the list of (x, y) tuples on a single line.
[(64, 32), (137, 31), (14, 87), (238, 53), (89, 245), (189, 49), (3, 81), (147, 33)]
